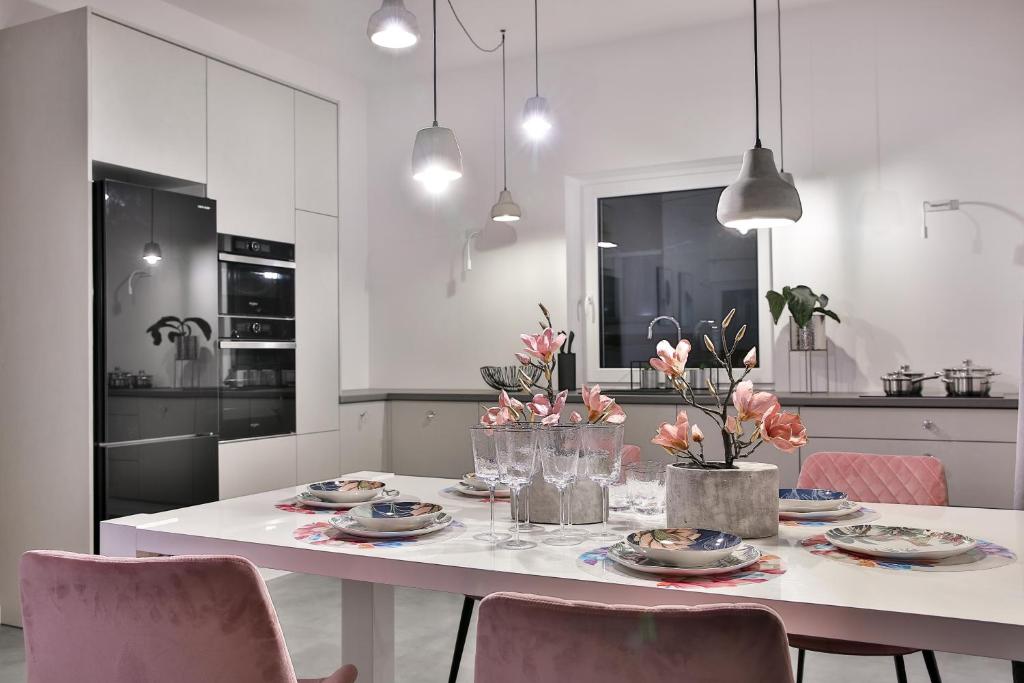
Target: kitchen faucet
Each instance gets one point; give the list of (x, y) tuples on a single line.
[(679, 330)]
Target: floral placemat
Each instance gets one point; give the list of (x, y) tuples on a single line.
[(862, 516), (452, 492), (322, 533), (293, 505), (986, 555), (596, 563)]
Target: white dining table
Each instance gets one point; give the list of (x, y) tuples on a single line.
[(970, 612)]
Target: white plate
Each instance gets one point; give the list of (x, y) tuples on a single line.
[(307, 499), (467, 490), (899, 542), (622, 554), (847, 508), (351, 527)]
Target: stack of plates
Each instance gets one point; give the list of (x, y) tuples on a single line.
[(470, 485), (395, 519), (814, 504), (342, 494), (683, 552), (900, 542)]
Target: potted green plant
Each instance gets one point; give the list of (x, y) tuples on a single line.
[(186, 346), (808, 311)]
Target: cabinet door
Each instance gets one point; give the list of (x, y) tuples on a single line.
[(148, 103), (251, 159), (317, 457), (316, 322), (979, 474), (431, 438), (316, 154), (363, 430), (258, 465)]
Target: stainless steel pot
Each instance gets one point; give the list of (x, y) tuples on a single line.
[(903, 382), (968, 380)]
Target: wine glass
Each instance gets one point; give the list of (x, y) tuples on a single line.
[(517, 463), (485, 464), (602, 463), (559, 451)]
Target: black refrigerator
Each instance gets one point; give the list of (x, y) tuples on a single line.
[(155, 317)]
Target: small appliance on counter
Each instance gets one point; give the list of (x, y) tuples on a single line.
[(968, 380)]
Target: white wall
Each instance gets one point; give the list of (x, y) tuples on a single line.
[(887, 104)]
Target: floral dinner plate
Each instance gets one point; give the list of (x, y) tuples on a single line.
[(809, 500), (743, 556), (847, 508), (311, 501), (467, 490), (351, 527), (899, 542)]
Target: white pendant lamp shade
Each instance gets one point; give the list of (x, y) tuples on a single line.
[(759, 197), (536, 118), (506, 210), (436, 159), (393, 26), (151, 253), (788, 177)]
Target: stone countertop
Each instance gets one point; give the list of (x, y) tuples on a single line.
[(666, 397)]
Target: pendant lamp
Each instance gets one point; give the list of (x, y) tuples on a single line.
[(536, 114), (393, 26), (759, 197), (505, 210), (436, 158), (151, 253), (783, 173)]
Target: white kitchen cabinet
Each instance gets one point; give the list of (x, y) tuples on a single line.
[(148, 101), (256, 465), (251, 156), (316, 322), (316, 154), (363, 436), (317, 457), (431, 438)]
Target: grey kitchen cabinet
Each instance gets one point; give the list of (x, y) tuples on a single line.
[(363, 436), (431, 438), (148, 102), (317, 457), (255, 465), (251, 153), (316, 322), (641, 425), (316, 154), (926, 424)]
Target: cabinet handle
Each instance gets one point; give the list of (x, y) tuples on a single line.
[(431, 415), (928, 424)]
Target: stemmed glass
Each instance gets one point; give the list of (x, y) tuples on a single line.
[(485, 463), (559, 451), (517, 463), (602, 462)]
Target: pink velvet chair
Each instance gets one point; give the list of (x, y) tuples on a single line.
[(867, 478), (546, 640), (93, 619)]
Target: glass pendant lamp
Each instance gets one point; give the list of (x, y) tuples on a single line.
[(505, 210), (393, 26), (536, 113)]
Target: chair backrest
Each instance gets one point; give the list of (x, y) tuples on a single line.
[(546, 640), (96, 619), (867, 478)]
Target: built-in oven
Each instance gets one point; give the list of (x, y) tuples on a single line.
[(257, 338)]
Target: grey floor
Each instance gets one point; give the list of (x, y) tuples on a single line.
[(310, 609)]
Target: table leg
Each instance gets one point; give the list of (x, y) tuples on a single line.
[(1018, 671), (368, 630)]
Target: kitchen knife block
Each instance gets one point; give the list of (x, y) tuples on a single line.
[(566, 371)]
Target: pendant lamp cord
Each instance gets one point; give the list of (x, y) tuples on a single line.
[(782, 139), (757, 94), (504, 108), (435, 60), (152, 215), (536, 53), (468, 35)]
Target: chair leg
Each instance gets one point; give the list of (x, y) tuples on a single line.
[(901, 669), (800, 665), (460, 639), (932, 666)]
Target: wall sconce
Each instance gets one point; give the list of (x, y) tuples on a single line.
[(932, 207)]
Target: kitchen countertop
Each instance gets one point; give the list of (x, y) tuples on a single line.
[(830, 400)]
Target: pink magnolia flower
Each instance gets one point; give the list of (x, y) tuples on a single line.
[(671, 361), (751, 405), (696, 434), (495, 416), (541, 407), (506, 401), (783, 430), (674, 438), (575, 417), (542, 346), (750, 360), (732, 425), (601, 408), (523, 357)]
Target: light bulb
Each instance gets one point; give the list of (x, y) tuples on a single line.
[(151, 253), (393, 26), (435, 179), (606, 245), (536, 118), (394, 36)]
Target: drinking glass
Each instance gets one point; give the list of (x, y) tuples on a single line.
[(602, 463), (645, 482), (485, 464), (558, 448), (527, 526), (517, 463)]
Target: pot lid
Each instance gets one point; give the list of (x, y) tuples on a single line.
[(968, 369), (903, 373)]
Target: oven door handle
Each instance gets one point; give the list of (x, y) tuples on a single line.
[(256, 261), (232, 344)]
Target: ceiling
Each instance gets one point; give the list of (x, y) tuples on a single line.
[(333, 32)]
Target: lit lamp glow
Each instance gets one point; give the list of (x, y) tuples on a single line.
[(393, 26), (436, 158), (151, 253), (536, 118)]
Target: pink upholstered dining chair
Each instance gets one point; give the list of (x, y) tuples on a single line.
[(94, 619), (547, 640), (868, 478)]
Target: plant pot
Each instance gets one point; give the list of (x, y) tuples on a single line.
[(810, 338), (742, 501), (585, 502), (186, 348)]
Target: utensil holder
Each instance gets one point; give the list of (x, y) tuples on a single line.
[(567, 371)]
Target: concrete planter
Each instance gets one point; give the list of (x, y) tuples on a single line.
[(742, 501), (584, 502)]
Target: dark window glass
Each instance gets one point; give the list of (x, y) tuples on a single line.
[(665, 253)]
